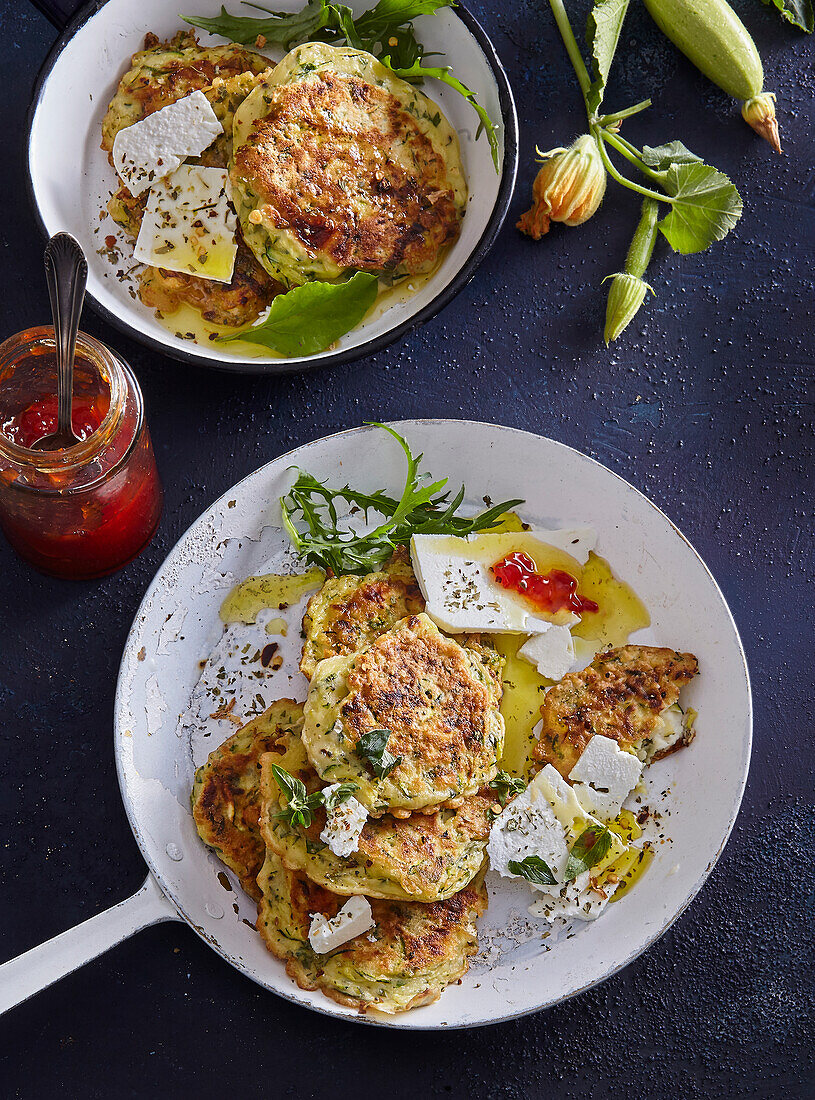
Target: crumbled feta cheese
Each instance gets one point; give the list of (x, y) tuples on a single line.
[(604, 776), (551, 651), (527, 827), (460, 591), (189, 226), (353, 919), (667, 730), (158, 144), (343, 825), (545, 820)]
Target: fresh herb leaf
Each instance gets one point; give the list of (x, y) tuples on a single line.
[(660, 157), (373, 747), (286, 29), (603, 29), (505, 784), (300, 805), (336, 798), (418, 72), (706, 206), (323, 538), (588, 850), (534, 869), (796, 12), (309, 318)]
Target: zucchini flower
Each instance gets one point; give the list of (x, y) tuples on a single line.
[(759, 112), (624, 300), (569, 187)]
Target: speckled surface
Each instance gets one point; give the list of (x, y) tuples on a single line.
[(706, 404)]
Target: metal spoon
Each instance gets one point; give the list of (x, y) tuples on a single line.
[(66, 271)]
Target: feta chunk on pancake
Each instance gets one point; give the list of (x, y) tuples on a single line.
[(155, 146), (604, 776), (353, 919), (344, 824), (188, 225)]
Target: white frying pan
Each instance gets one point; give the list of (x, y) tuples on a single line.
[(177, 624)]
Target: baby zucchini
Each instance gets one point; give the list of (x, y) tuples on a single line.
[(711, 35)]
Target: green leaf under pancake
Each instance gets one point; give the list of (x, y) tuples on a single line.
[(284, 29), (308, 319)]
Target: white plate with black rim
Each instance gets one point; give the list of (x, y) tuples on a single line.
[(517, 971), (70, 179)]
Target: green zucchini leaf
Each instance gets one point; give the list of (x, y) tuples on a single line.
[(603, 29), (661, 157), (309, 318), (706, 206), (796, 12)]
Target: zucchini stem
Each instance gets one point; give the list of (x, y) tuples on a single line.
[(618, 116), (601, 136), (572, 49), (632, 154)]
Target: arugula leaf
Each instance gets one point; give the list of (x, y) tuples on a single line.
[(309, 318), (417, 72), (505, 784), (660, 157), (534, 869), (373, 747), (796, 12), (588, 850), (380, 22), (603, 29), (706, 206), (421, 509), (284, 29)]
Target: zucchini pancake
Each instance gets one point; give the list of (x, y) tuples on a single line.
[(340, 166), (413, 951), (438, 701), (363, 821)]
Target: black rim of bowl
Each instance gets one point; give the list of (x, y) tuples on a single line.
[(458, 282)]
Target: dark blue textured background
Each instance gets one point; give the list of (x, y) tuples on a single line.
[(706, 404)]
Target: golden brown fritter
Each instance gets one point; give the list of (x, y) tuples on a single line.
[(340, 166), (226, 792), (235, 303), (164, 72), (438, 703), (349, 612), (413, 951), (424, 857), (620, 695)]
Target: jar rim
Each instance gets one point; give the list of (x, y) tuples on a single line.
[(121, 380)]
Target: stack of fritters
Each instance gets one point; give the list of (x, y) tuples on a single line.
[(376, 662)]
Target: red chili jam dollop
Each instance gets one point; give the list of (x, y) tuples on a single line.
[(552, 592), (40, 419)]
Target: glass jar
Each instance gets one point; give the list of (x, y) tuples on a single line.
[(86, 510)]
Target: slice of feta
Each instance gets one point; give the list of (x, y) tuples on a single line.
[(552, 652), (158, 144), (353, 919), (344, 825), (460, 591), (189, 226), (604, 776), (527, 827)]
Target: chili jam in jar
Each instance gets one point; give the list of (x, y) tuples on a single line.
[(86, 510)]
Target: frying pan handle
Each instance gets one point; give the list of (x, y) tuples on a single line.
[(38, 968)]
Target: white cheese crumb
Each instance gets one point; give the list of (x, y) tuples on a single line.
[(552, 652), (189, 226), (156, 145), (604, 776), (353, 919), (527, 827), (344, 825)]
